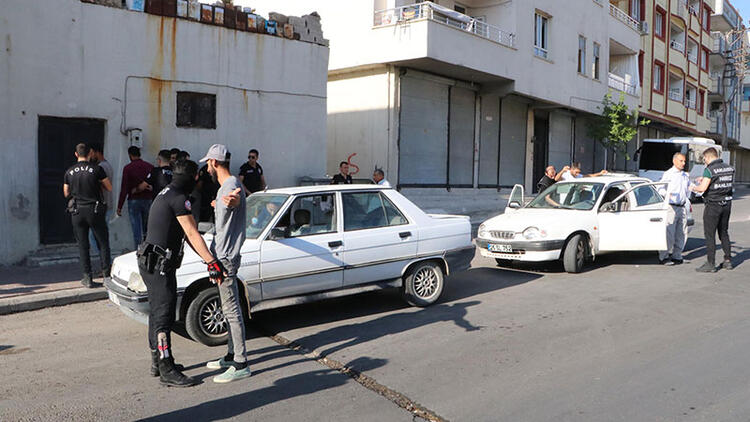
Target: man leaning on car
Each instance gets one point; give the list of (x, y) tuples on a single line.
[(677, 192)]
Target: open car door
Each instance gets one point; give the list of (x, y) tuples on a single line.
[(634, 221), (516, 199)]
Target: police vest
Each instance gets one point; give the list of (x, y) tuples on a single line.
[(722, 177)]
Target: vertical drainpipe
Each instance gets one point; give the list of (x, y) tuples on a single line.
[(477, 123)]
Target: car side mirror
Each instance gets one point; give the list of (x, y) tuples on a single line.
[(609, 207), (514, 204), (277, 233)]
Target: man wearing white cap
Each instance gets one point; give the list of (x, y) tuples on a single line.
[(228, 240)]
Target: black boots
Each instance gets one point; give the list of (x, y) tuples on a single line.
[(155, 363), (170, 376)]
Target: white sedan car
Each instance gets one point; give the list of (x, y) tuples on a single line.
[(574, 221), (310, 243)]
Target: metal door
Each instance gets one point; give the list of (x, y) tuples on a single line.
[(541, 147), (57, 140), (423, 133), (461, 145)]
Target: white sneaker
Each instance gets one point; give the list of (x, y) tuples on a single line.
[(233, 374), (218, 364)]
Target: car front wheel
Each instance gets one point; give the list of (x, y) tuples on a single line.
[(423, 284), (204, 320), (574, 255)]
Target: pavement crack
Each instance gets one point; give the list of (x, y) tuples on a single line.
[(418, 411)]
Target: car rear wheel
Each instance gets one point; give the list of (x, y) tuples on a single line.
[(423, 284), (574, 255), (204, 320)]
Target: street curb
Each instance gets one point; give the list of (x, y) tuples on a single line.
[(36, 301)]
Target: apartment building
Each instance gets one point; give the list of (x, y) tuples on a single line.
[(475, 94), (741, 152)]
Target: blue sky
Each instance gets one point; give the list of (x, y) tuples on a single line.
[(742, 6)]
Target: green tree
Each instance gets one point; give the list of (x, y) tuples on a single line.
[(615, 127)]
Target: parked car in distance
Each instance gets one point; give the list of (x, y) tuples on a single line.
[(310, 243), (577, 220)]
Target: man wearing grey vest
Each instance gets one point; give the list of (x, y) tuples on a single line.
[(230, 235), (716, 187)]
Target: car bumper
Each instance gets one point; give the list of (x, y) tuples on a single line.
[(532, 250), (459, 259), (132, 304)]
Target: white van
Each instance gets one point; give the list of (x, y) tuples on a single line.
[(654, 157)]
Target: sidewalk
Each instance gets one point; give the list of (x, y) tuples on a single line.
[(30, 288)]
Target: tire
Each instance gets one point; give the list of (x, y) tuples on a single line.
[(574, 255), (423, 284), (504, 262), (204, 320)]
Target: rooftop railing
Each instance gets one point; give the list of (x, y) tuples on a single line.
[(431, 11)]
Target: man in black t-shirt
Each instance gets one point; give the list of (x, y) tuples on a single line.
[(551, 176), (343, 178), (82, 187), (169, 222), (207, 189), (159, 177), (251, 173)]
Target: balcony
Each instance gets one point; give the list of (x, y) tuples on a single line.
[(676, 45), (432, 12), (619, 83), (745, 106), (680, 8), (719, 44), (689, 103), (725, 18), (675, 94), (623, 17), (716, 87)]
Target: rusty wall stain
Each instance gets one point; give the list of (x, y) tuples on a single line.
[(244, 100), (173, 46), (158, 93)]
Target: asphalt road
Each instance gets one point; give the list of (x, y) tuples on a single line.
[(627, 340)]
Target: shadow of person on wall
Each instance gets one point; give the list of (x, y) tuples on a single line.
[(282, 389)]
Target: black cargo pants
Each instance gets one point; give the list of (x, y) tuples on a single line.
[(84, 220)]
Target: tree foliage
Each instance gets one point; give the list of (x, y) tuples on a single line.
[(616, 126)]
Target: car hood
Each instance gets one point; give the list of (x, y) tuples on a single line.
[(550, 220), (191, 269)]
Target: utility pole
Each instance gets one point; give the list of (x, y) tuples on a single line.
[(737, 52)]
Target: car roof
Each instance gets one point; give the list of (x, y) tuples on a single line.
[(296, 190), (610, 178), (683, 140)]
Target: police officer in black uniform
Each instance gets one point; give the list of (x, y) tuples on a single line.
[(159, 177), (82, 187), (169, 222), (717, 188)]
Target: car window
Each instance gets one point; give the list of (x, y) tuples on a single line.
[(308, 215), (571, 195), (261, 208), (612, 193), (646, 195), (367, 210)]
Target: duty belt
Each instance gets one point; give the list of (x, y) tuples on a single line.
[(153, 258)]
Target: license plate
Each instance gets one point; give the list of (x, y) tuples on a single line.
[(494, 247), (114, 299)]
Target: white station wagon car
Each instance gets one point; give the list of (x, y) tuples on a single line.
[(310, 243), (574, 221)]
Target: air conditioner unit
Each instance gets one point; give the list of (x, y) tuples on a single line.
[(644, 27)]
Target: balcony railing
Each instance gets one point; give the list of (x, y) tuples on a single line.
[(623, 17), (618, 82), (682, 9), (720, 45), (675, 94), (434, 12), (677, 45), (716, 85), (745, 106), (690, 103), (717, 123), (729, 14)]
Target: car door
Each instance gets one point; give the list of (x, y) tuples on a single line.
[(635, 221), (302, 253), (379, 239)]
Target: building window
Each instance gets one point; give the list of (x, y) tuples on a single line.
[(636, 9), (659, 22), (641, 55), (541, 30), (581, 55), (701, 101), (459, 8), (658, 75), (706, 18), (704, 59), (196, 110), (595, 64)]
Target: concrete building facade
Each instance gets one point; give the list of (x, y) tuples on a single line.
[(474, 94), (73, 71)]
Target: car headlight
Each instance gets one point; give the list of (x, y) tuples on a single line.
[(532, 233), (482, 232), (136, 284)]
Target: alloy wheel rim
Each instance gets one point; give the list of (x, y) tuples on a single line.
[(425, 283), (579, 252), (212, 318)]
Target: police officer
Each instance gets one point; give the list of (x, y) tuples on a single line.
[(82, 187), (716, 187), (343, 178), (169, 222), (251, 173), (159, 177)]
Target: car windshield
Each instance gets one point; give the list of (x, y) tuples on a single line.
[(261, 208), (573, 196)]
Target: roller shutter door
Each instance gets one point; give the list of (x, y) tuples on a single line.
[(461, 165)]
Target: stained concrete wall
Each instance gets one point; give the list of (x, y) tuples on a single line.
[(70, 59)]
